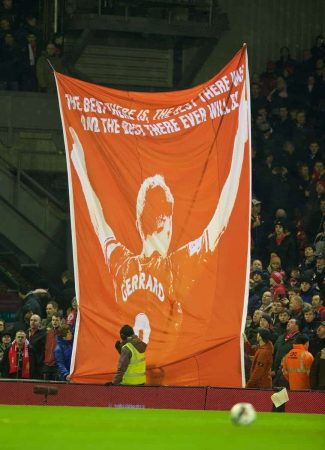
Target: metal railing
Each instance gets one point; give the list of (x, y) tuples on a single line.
[(23, 177), (113, 7)]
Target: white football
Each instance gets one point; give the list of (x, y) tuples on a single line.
[(243, 414)]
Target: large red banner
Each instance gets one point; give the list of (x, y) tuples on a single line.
[(160, 207)]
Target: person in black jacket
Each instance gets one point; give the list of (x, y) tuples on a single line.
[(317, 371), (282, 346), (318, 343), (68, 291), (283, 244), (37, 338), (19, 360)]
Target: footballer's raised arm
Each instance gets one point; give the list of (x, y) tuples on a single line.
[(212, 233), (102, 229), (229, 191)]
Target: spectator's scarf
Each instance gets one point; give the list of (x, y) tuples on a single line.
[(290, 335), (279, 238), (13, 360)]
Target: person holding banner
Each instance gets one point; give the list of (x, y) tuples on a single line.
[(151, 287), (131, 369)]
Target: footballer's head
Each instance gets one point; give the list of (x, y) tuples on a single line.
[(155, 205)]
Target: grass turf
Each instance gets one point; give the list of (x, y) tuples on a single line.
[(61, 428)]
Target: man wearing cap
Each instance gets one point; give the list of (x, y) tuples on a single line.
[(266, 323), (131, 369), (306, 288), (257, 284), (309, 261), (260, 374), (296, 364), (252, 330)]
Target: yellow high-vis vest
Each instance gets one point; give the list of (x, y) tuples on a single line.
[(136, 371)]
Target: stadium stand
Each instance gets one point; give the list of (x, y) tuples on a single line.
[(288, 172)]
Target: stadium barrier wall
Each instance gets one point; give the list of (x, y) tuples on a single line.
[(17, 392)]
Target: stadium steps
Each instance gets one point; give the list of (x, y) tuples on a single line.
[(146, 46), (31, 132), (32, 219), (18, 271), (127, 66)]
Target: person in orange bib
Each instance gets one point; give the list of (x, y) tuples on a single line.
[(297, 363)]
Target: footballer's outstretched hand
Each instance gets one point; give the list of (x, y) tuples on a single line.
[(77, 154), (242, 133)]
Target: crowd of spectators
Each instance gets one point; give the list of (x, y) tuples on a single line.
[(24, 53), (287, 279), (39, 344)]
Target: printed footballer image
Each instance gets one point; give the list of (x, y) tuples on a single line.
[(151, 287)]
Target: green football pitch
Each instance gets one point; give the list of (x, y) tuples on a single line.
[(70, 428)]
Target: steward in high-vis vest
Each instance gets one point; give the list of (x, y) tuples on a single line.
[(131, 369), (297, 363)]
